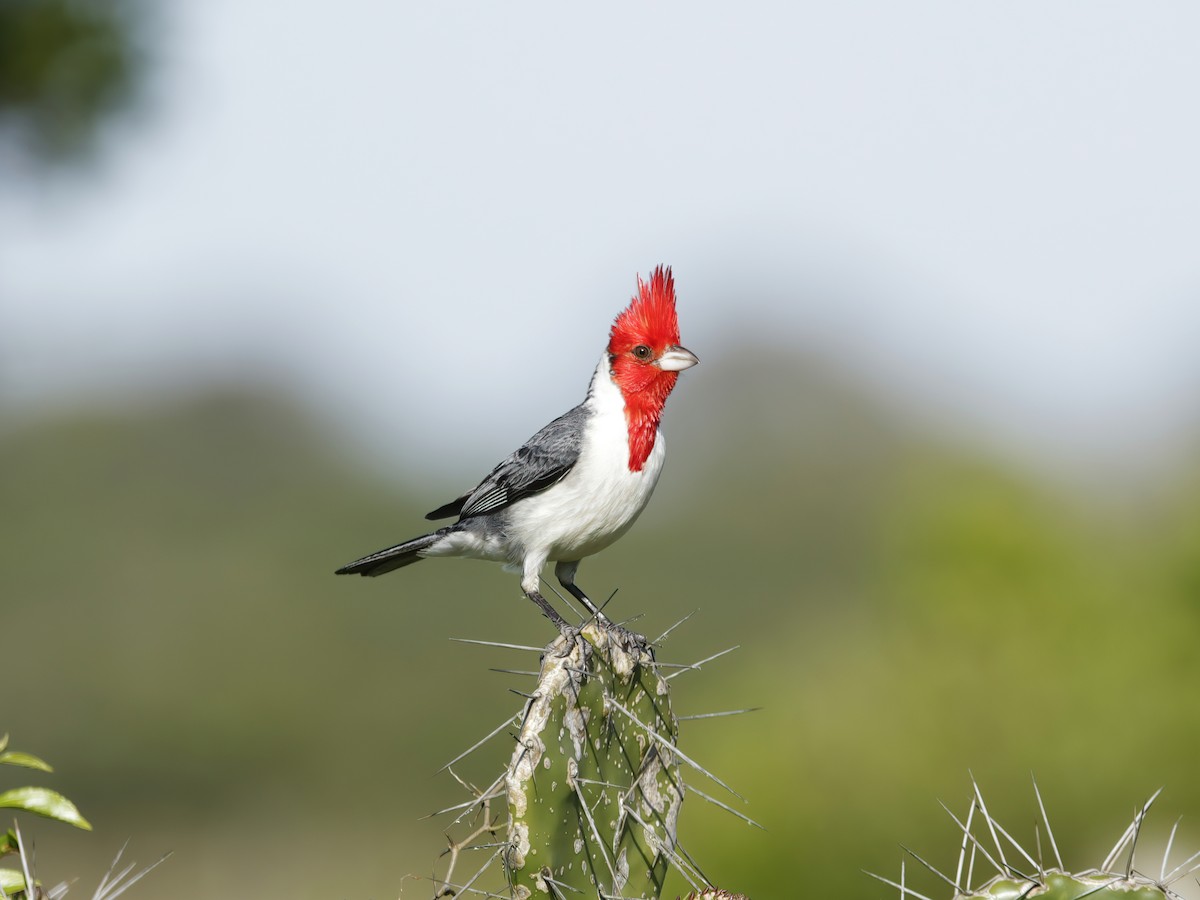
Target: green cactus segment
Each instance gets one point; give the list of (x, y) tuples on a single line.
[(1117, 877), (594, 787), (1061, 886)]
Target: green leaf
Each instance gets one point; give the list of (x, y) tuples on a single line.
[(45, 802), (8, 843), (28, 760), (11, 881), (4, 742)]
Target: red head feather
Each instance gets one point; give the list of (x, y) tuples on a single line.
[(650, 324), (650, 317)]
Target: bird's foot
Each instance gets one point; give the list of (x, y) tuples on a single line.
[(569, 632), (570, 636)]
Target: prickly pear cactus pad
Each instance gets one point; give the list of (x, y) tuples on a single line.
[(594, 786), (993, 866), (1062, 886)]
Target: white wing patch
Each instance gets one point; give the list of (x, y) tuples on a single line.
[(493, 499)]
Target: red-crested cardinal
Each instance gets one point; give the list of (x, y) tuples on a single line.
[(579, 483)]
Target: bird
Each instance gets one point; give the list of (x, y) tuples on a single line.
[(580, 482)]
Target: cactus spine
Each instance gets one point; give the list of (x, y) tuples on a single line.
[(594, 786), (1017, 875), (1063, 886)]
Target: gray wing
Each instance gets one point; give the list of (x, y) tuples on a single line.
[(543, 461)]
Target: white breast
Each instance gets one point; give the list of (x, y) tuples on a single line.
[(600, 498)]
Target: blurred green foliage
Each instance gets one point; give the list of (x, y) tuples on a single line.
[(40, 800), (65, 67), (906, 610)]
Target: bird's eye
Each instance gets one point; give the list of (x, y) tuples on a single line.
[(641, 351)]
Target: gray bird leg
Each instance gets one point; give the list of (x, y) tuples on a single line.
[(549, 611), (565, 573)]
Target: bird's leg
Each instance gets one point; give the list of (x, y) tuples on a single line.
[(565, 573), (567, 630), (530, 581), (547, 610)]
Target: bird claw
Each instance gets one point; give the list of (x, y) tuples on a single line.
[(570, 635)]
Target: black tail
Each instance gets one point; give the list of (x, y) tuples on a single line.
[(392, 558)]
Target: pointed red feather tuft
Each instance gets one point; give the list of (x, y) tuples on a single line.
[(649, 321), (650, 317)]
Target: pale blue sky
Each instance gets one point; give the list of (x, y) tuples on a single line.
[(993, 210)]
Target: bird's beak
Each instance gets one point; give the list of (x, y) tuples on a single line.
[(676, 359)]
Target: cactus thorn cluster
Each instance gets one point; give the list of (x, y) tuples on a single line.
[(1010, 872), (594, 787)]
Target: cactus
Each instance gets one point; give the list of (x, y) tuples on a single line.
[(594, 785), (1016, 875), (1062, 886)]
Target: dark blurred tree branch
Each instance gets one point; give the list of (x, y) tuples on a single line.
[(65, 68)]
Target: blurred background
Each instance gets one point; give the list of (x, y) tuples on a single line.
[(278, 278)]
